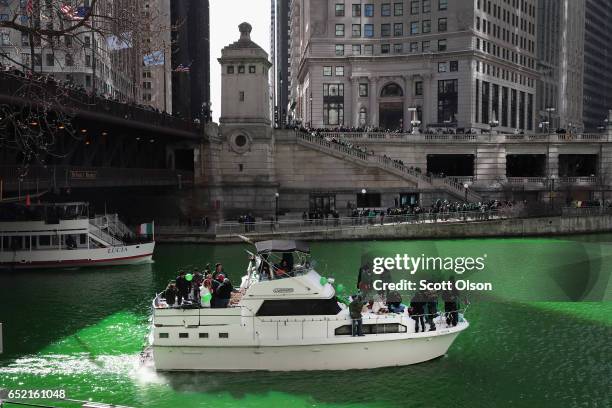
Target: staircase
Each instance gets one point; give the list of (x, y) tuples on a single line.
[(386, 164), (108, 230)]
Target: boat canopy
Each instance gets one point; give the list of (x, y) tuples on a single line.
[(277, 245)]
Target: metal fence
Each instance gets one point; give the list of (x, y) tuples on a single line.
[(308, 225)]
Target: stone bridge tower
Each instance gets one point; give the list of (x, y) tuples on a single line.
[(242, 154)]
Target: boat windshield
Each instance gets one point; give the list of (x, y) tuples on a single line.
[(48, 212), (279, 265)]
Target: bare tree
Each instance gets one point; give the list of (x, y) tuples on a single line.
[(58, 51)]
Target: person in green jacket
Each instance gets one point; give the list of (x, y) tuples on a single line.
[(355, 308)]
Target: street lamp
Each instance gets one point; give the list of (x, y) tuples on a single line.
[(466, 186), (493, 124), (276, 206), (550, 111), (310, 121), (414, 120)]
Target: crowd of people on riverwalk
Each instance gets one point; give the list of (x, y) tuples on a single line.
[(202, 288), (423, 307)]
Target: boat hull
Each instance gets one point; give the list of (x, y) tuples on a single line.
[(78, 258), (361, 353)]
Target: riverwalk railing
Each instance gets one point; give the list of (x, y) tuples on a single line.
[(312, 225)]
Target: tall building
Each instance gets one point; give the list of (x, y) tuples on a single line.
[(157, 67), (597, 63), (463, 64), (279, 56), (561, 45), (191, 59), (106, 65)]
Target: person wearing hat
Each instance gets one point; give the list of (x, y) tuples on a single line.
[(183, 286), (355, 308), (224, 293)]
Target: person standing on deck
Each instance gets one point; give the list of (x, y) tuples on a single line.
[(183, 286), (355, 308)]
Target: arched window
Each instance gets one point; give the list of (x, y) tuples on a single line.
[(363, 117), (391, 90)]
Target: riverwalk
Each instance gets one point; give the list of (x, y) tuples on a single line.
[(424, 226)]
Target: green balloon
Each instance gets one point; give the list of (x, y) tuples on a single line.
[(323, 281), (206, 297), (189, 277), (340, 288)]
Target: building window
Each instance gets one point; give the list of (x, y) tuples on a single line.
[(441, 45), (414, 27), (356, 10), (38, 59), (5, 39), (339, 30), (426, 26), (363, 116), (333, 90), (398, 29), (68, 41), (333, 113), (230, 69), (363, 90), (368, 10), (397, 48), (414, 7), (356, 49), (414, 46), (398, 9), (252, 69), (356, 30), (425, 46), (448, 97), (183, 335), (504, 107), (454, 66), (368, 30), (340, 71), (25, 40), (340, 10), (442, 67), (69, 60), (87, 41), (385, 48), (385, 9), (339, 50), (50, 60), (426, 6), (442, 24), (368, 49), (485, 98), (385, 30), (241, 69), (241, 96), (418, 88), (442, 4), (327, 71)]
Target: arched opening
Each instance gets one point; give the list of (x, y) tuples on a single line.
[(363, 117), (391, 107)]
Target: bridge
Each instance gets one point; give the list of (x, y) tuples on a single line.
[(112, 144)]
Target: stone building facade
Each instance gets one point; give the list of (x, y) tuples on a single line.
[(384, 63)]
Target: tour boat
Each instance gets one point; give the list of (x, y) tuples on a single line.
[(63, 235), (292, 323)]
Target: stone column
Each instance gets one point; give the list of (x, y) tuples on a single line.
[(373, 109), (428, 101), (407, 102), (348, 103), (355, 101)]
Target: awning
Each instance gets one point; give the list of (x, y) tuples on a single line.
[(281, 246)]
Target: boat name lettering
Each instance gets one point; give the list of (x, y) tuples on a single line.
[(117, 250), (283, 290)]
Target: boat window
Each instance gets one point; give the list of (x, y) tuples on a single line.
[(373, 329), (183, 335), (203, 335), (299, 307), (224, 335), (163, 335), (44, 240), (83, 238)]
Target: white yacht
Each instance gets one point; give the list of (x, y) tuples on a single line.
[(291, 323), (62, 235)]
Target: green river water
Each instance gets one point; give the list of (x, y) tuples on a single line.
[(541, 338)]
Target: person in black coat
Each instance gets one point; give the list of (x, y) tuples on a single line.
[(224, 293), (451, 304), (417, 311), (170, 294), (183, 286)]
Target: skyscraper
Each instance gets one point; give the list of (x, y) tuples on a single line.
[(561, 26), (191, 59), (431, 63), (597, 63), (279, 56)]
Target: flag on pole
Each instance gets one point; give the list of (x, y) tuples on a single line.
[(121, 42), (155, 58), (29, 8), (182, 68), (74, 13), (146, 229)]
